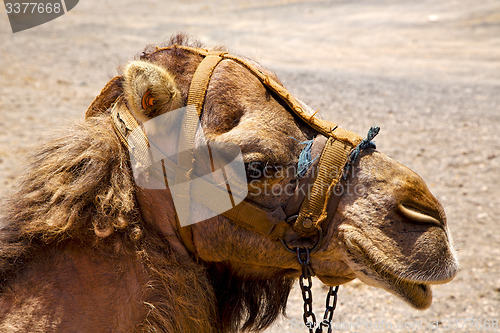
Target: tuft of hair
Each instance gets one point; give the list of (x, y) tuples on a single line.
[(80, 177), (179, 296), (78, 186), (248, 303), (177, 39)]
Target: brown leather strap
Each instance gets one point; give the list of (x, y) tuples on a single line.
[(127, 128)]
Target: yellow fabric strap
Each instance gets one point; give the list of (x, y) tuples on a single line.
[(185, 162), (125, 124), (250, 216), (196, 99), (313, 209), (201, 79)]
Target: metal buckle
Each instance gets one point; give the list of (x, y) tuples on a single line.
[(311, 249)]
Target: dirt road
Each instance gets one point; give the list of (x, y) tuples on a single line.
[(427, 72)]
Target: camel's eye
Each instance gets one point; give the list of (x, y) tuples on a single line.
[(254, 170), (148, 100), (258, 170)]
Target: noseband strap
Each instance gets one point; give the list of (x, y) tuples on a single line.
[(313, 211)]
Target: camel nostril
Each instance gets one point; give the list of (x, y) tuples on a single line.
[(420, 215)]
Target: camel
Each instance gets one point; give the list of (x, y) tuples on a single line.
[(85, 249)]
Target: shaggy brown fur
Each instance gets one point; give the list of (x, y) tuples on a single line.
[(76, 184), (78, 191)]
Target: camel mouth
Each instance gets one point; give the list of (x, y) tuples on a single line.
[(416, 292)]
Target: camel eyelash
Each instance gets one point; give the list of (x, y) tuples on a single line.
[(256, 170)]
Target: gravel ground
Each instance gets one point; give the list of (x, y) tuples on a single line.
[(428, 73)]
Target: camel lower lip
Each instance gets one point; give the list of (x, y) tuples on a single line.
[(415, 293)]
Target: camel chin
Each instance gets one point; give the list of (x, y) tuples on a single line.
[(372, 267), (418, 295), (334, 280)]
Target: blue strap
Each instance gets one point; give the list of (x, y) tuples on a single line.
[(305, 158), (365, 144)]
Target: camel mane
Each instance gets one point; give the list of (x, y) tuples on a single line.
[(76, 187), (79, 188)]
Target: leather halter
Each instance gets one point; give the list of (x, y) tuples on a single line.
[(305, 214)]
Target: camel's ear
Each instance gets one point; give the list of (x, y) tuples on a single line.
[(106, 98), (150, 90)]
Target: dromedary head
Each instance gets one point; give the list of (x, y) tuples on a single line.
[(387, 230)]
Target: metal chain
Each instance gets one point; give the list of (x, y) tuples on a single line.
[(304, 259), (328, 316), (303, 256)]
